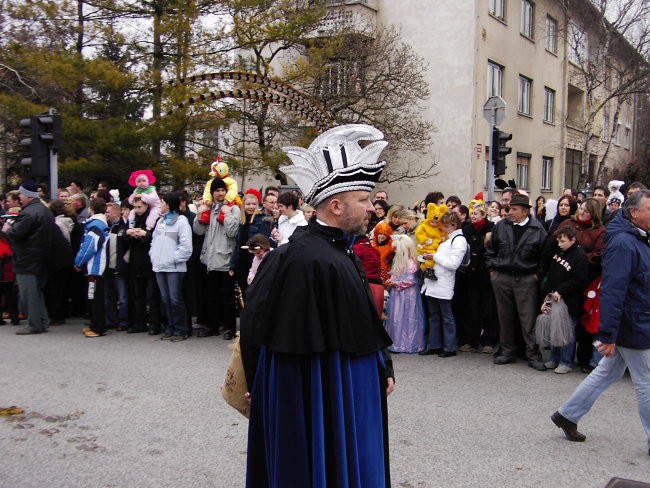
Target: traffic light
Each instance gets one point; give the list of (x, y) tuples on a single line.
[(499, 150), (44, 135)]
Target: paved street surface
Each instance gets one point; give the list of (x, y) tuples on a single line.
[(134, 411)]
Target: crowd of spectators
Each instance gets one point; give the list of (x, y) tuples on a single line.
[(479, 288)]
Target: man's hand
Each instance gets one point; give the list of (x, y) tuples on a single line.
[(6, 227), (606, 349), (390, 386)]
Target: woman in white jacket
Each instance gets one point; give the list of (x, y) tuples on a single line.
[(171, 247), (438, 293)]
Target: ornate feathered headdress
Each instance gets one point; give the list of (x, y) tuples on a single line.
[(335, 162)]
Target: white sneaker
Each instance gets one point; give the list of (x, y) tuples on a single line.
[(550, 365), (562, 369)]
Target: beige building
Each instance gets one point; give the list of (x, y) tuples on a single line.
[(529, 53)]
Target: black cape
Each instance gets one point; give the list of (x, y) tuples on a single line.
[(310, 296)]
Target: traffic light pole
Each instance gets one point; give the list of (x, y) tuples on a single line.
[(54, 175), (493, 151)]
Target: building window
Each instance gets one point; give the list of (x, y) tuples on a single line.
[(547, 173), (549, 105), (524, 94), (551, 35), (605, 133), (572, 168), (527, 19), (495, 75), (343, 77), (615, 135), (523, 162), (626, 137), (577, 45), (497, 9)]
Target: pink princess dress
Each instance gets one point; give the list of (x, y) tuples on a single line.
[(406, 319)]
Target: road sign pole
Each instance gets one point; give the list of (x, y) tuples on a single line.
[(490, 166), (54, 175)]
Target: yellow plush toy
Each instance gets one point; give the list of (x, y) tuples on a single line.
[(218, 170), (430, 234)]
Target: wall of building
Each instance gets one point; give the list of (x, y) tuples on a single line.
[(441, 33)]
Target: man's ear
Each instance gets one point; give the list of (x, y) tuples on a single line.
[(335, 206)]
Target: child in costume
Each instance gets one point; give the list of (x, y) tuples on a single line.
[(405, 323), (429, 235), (218, 170), (143, 180), (614, 187), (382, 242)]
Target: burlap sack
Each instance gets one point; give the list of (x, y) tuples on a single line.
[(234, 386)]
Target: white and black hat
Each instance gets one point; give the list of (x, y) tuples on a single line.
[(336, 163)]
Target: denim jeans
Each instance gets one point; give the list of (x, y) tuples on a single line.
[(441, 325), (565, 354), (609, 370), (116, 291), (171, 295)]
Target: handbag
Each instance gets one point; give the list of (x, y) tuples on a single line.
[(591, 318), (234, 386)]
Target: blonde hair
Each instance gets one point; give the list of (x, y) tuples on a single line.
[(392, 211), (405, 250), (480, 207), (248, 196)]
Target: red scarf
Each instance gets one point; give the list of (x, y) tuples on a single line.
[(479, 225)]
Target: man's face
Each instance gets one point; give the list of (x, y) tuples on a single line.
[(567, 191), (219, 195), (140, 207), (112, 214), (641, 217), (101, 186), (356, 209), (11, 202), (41, 193), (506, 197), (24, 200), (270, 203), (63, 196), (282, 209), (600, 196), (518, 213), (381, 195)]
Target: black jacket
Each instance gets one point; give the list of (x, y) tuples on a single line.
[(310, 296), (139, 261), (30, 237), (568, 274), (476, 241), (525, 257)]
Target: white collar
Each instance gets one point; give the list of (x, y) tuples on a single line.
[(525, 221)]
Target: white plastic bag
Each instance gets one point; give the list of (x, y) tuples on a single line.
[(555, 328)]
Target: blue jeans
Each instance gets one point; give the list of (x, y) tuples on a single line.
[(565, 354), (116, 291), (171, 295), (441, 323), (609, 370)]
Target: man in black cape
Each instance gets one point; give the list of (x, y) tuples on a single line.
[(312, 341)]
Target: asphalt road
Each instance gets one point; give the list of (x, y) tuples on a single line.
[(134, 411)]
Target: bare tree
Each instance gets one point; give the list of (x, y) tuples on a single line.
[(608, 44)]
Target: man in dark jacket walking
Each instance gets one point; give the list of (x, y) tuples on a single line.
[(624, 330), (30, 237), (514, 258)]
